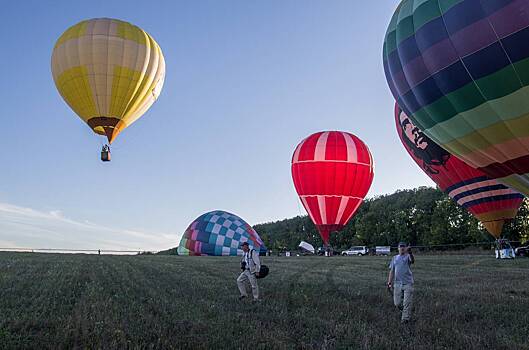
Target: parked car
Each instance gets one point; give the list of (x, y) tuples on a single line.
[(358, 251), (382, 250), (522, 251)]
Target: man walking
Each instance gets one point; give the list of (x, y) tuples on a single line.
[(250, 266), (401, 280)]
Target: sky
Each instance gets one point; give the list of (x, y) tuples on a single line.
[(246, 81)]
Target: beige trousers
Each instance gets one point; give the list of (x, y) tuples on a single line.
[(403, 299), (246, 278)]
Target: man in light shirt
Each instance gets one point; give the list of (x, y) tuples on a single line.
[(401, 280), (250, 266)]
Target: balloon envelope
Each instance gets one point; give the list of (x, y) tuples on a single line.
[(109, 72), (489, 201), (460, 70), (219, 233), (332, 173)]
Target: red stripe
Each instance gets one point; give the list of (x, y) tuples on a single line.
[(314, 209), (361, 151), (495, 206), (518, 166), (332, 205), (336, 147), (308, 147), (349, 211)]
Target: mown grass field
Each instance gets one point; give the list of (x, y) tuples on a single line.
[(164, 302)]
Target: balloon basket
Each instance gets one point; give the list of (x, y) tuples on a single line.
[(504, 249), (105, 154)]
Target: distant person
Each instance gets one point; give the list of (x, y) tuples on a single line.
[(401, 280), (250, 266)]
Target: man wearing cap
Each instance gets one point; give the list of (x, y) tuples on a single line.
[(250, 266), (401, 280)]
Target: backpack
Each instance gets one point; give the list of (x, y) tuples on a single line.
[(263, 272)]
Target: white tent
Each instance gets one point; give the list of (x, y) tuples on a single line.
[(307, 247)]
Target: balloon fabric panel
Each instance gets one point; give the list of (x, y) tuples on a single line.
[(460, 70), (488, 200)]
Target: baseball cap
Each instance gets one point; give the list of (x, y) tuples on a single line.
[(402, 244), (244, 243)]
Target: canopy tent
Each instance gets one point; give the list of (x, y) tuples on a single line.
[(307, 247)]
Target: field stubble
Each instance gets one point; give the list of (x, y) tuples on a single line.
[(87, 301)]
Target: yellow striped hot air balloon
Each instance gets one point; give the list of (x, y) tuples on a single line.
[(109, 72)]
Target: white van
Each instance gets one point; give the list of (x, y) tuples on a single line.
[(382, 250), (358, 251)]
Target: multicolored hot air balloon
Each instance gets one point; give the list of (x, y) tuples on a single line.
[(109, 72), (219, 233), (332, 173), (460, 70), (489, 201)]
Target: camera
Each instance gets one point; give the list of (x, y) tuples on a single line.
[(243, 265)]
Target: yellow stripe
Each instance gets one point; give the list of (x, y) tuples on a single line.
[(143, 90), (99, 130), (494, 227), (131, 32), (497, 215), (75, 89), (490, 136), (516, 182), (73, 32), (139, 87), (123, 79)]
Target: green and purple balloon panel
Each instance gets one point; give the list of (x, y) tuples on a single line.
[(460, 70)]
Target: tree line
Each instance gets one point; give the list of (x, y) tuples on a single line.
[(421, 216)]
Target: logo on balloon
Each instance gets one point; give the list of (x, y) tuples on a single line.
[(431, 155)]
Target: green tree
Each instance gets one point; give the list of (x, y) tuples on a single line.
[(421, 216)]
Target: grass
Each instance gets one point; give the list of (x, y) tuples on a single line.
[(84, 301)]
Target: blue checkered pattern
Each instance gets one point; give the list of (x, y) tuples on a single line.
[(219, 233)]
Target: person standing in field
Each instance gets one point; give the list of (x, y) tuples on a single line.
[(400, 279), (250, 266)]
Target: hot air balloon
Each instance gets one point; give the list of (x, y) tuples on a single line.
[(460, 70), (219, 233), (488, 200), (109, 72), (332, 173)]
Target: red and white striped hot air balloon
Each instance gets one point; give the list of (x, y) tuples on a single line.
[(332, 173)]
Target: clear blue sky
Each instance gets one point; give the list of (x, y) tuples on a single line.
[(246, 81)]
